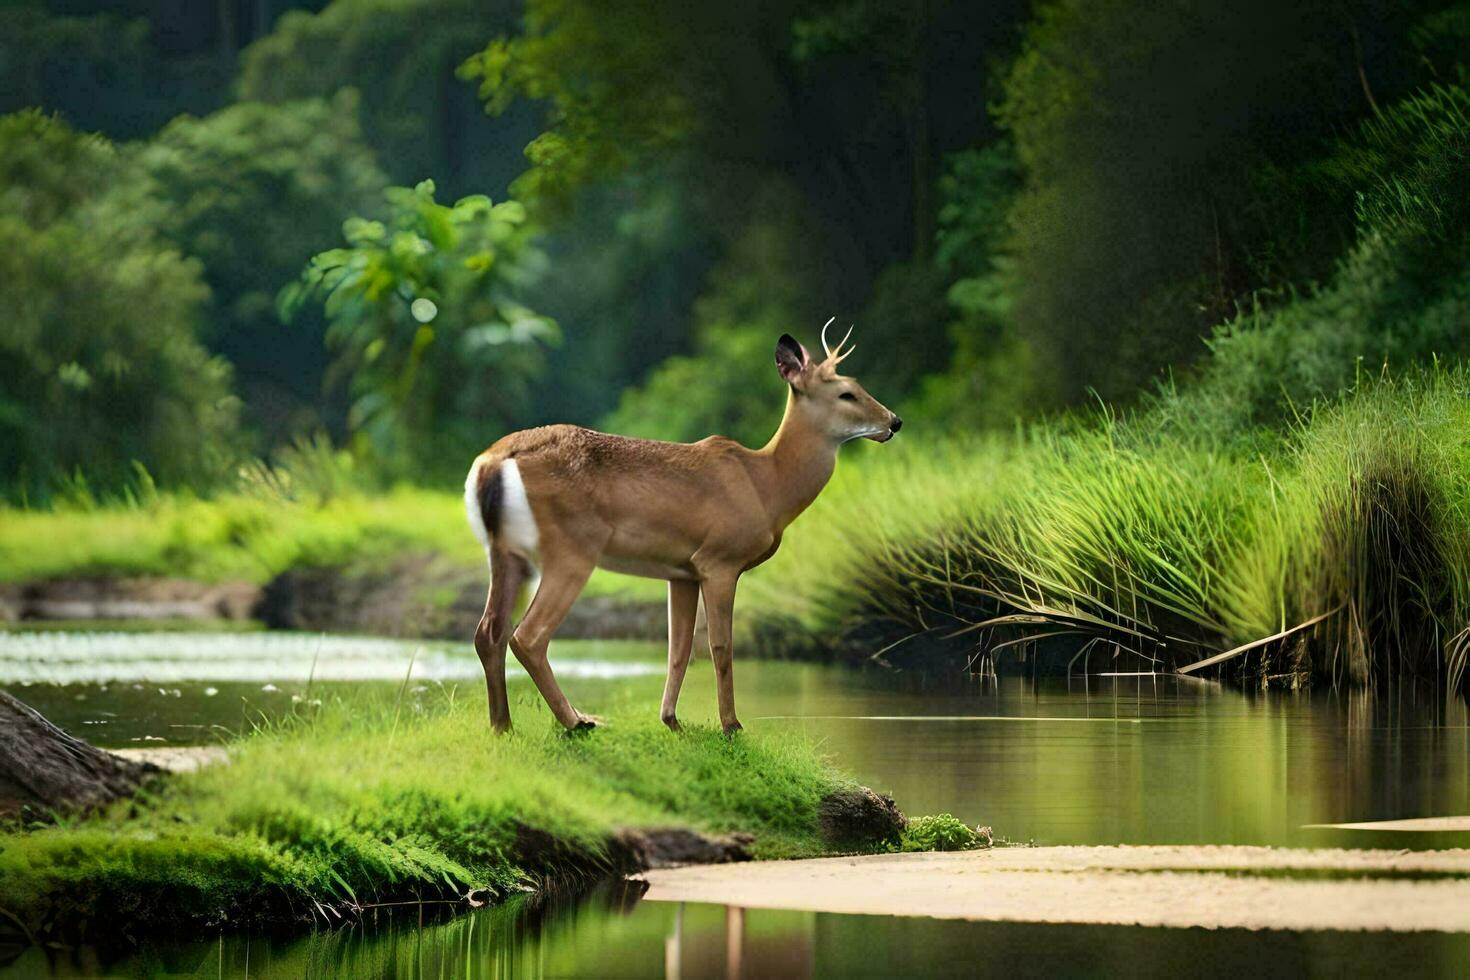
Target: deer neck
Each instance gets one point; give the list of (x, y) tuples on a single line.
[(800, 462)]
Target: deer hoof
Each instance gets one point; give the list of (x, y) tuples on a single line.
[(585, 723), (672, 722), (733, 728)]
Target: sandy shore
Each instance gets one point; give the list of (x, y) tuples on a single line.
[(184, 758), (1211, 887)]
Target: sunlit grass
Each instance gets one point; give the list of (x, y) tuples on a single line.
[(385, 798), (1129, 540), (249, 537)]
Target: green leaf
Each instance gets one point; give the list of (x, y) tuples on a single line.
[(513, 212), (358, 230), (438, 227), (289, 300)]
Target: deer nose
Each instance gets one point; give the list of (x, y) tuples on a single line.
[(896, 424)]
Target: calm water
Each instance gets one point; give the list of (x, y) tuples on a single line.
[(610, 934), (1099, 760)]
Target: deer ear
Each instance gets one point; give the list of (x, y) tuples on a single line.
[(791, 358)]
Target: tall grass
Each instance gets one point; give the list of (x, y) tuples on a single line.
[(1123, 540), (376, 800)]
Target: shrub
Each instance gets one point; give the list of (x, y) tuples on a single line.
[(99, 367)]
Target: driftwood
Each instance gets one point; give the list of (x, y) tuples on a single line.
[(1247, 647), (44, 770)]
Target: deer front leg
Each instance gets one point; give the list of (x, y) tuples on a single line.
[(719, 612), (683, 606)]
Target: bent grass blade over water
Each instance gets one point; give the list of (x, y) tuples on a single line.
[(1125, 540)]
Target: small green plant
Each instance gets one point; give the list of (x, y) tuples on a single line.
[(426, 325), (941, 832)]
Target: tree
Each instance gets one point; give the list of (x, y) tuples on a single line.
[(124, 67), (624, 82), (1148, 134), (757, 292), (848, 102), (427, 327), (100, 371), (252, 191), (401, 55), (627, 266)]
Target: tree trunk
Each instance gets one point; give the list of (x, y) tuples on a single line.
[(43, 769)]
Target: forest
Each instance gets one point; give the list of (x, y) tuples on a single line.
[(1022, 210)]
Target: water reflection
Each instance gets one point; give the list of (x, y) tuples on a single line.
[(1150, 759), (610, 934)]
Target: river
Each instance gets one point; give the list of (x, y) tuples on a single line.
[(1090, 760)]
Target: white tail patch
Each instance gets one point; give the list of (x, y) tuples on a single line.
[(472, 506), (517, 530), (517, 523)]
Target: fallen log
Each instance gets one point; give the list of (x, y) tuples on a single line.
[(43, 770)]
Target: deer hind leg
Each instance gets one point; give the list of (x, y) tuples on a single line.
[(508, 574), (562, 579), (683, 607)]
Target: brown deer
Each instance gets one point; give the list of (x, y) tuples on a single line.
[(562, 500)]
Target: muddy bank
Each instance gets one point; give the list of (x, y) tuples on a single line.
[(1181, 887), (127, 599), (414, 596)]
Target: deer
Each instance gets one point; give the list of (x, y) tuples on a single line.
[(551, 504)]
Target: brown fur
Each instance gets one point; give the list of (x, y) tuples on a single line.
[(696, 514)]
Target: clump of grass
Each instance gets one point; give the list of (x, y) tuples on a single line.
[(1367, 524), (1125, 540), (941, 832), (365, 802)]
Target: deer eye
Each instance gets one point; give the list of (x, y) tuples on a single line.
[(848, 396)]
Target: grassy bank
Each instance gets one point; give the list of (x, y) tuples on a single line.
[(350, 804), (1133, 542), (248, 537)]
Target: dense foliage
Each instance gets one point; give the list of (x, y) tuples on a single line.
[(102, 381), (425, 323), (1019, 206), (400, 56), (1337, 553), (253, 191)]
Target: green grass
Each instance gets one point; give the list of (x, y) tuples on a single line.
[(1122, 539), (249, 537), (369, 801)]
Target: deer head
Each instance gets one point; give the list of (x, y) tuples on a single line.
[(831, 403)]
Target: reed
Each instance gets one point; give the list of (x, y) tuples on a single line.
[(1121, 540)]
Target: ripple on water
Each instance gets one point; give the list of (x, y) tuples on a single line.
[(69, 658)]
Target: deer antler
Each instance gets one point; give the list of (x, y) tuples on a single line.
[(836, 355)]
